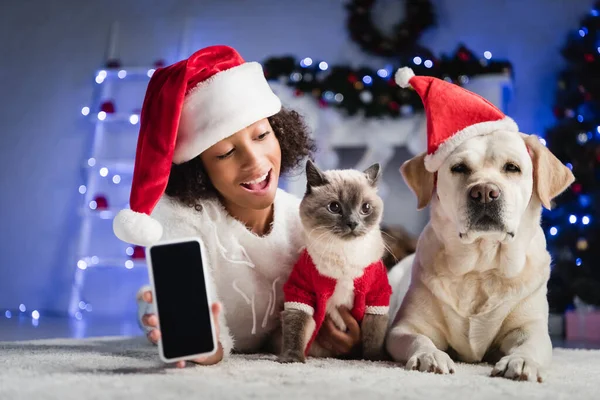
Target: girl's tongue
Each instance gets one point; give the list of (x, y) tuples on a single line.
[(257, 186), (262, 185)]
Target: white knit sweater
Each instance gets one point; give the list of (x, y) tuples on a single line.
[(248, 271)]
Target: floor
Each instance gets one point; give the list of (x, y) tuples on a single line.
[(129, 369), (25, 328)]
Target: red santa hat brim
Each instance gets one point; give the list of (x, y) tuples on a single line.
[(435, 160), (222, 105)]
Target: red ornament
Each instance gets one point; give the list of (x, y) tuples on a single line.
[(576, 188), (108, 107), (298, 92), (393, 106), (138, 253), (352, 78), (113, 64), (159, 63), (558, 112), (589, 57), (463, 56), (101, 203)]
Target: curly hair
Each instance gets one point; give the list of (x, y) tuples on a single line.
[(189, 182)]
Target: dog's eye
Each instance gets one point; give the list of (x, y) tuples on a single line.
[(511, 167), (366, 209), (334, 207), (460, 169)]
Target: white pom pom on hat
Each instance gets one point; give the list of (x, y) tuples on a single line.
[(403, 76)]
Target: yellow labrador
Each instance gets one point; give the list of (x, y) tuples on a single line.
[(478, 286)]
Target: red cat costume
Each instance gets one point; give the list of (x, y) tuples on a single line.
[(308, 290)]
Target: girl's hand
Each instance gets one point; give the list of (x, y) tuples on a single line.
[(333, 339), (151, 321)]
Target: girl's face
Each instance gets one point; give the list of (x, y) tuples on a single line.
[(244, 168)]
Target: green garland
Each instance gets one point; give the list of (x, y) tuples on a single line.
[(374, 93)]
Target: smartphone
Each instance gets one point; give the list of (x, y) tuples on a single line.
[(177, 271)]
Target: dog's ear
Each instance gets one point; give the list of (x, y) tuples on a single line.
[(550, 176), (418, 179)]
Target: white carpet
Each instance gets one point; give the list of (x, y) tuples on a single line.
[(118, 368)]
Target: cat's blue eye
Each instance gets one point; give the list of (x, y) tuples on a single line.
[(334, 207), (366, 209)]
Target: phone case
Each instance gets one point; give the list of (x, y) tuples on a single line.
[(206, 288)]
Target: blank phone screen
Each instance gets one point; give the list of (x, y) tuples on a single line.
[(181, 298)]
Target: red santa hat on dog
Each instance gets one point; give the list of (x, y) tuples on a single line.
[(454, 115), (189, 106)]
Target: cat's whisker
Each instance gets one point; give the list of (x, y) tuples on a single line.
[(390, 251), (326, 230), (321, 235), (317, 228), (387, 234), (327, 246)]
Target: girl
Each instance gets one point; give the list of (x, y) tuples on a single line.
[(213, 142)]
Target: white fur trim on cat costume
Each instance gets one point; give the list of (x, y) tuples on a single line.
[(377, 310), (294, 305)]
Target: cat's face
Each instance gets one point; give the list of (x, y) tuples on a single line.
[(342, 203)]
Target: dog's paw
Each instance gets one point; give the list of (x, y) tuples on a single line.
[(518, 368), (432, 361), (289, 357)]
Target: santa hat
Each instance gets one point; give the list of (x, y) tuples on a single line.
[(454, 115), (189, 106)]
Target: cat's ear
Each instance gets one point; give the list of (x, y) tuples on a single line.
[(314, 176), (373, 174)]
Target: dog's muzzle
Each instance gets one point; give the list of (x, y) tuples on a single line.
[(485, 207)]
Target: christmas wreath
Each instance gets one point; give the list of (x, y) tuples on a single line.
[(418, 17)]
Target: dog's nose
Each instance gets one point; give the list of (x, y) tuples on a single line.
[(352, 225), (484, 193)]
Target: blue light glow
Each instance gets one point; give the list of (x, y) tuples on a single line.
[(382, 73), (307, 62), (585, 200)]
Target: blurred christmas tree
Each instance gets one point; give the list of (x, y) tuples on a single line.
[(573, 225)]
